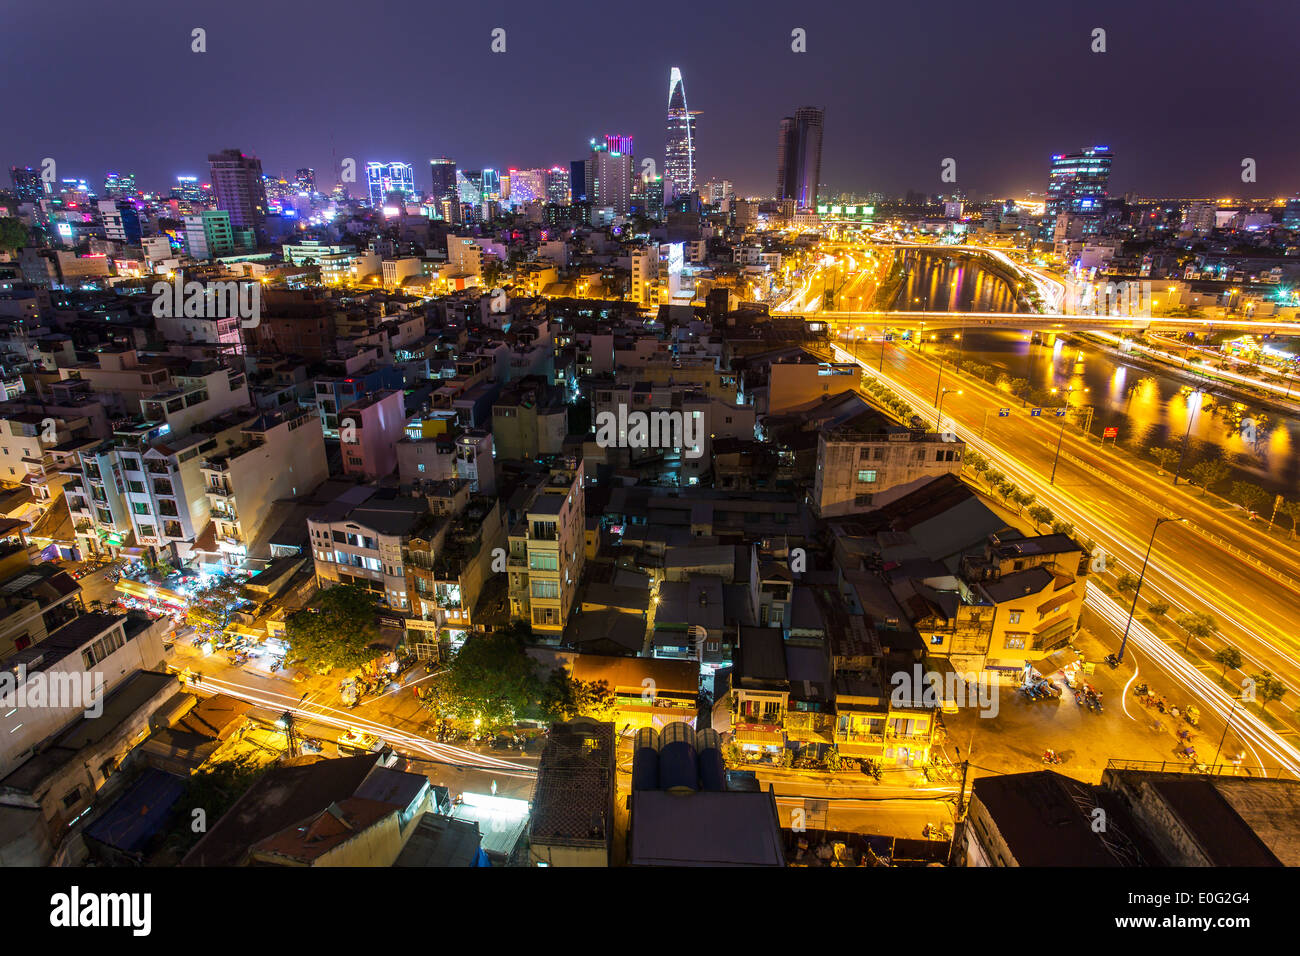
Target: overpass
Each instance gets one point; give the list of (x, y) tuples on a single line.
[(1046, 322)]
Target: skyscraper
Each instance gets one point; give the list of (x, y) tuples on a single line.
[(799, 156), (1077, 187), (237, 181), (27, 184), (578, 180), (609, 178), (442, 172), (305, 178), (679, 154), (557, 185), (385, 178)]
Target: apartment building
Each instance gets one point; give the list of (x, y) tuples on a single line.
[(92, 650), (280, 455), (448, 566), (369, 430), (547, 550), (870, 461), (360, 537), (529, 420)]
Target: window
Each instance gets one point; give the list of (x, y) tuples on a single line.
[(936, 639), (135, 486), (1014, 617), (867, 476), (420, 467), (72, 798), (544, 561), (861, 501), (545, 589), (1015, 642), (140, 507)]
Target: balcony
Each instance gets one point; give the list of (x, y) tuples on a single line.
[(219, 491)]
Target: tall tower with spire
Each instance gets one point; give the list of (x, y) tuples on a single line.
[(679, 164)]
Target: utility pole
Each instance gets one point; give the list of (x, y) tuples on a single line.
[(1137, 590)]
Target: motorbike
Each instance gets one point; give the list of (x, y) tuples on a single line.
[(1112, 660), (1051, 757)]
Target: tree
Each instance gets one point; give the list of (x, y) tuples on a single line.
[(494, 681), (1208, 473), (1250, 496), (1229, 657), (564, 698), (1019, 387), (13, 234), (210, 609), (994, 477), (1197, 624), (1268, 688), (337, 630), (1062, 527), (1163, 456), (1158, 609), (1292, 510), (1127, 583), (1041, 514)]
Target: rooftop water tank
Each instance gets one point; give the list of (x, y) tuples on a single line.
[(677, 764)]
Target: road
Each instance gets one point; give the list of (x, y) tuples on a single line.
[(1209, 563)]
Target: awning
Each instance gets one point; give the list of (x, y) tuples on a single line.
[(766, 738)]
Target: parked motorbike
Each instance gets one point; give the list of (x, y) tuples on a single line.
[(1051, 757)]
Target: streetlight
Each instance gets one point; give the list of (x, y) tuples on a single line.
[(1191, 417), (938, 419), (1141, 576), (1217, 750), (1060, 437)]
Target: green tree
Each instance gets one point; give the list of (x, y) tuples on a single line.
[(1250, 496), (13, 234), (1229, 657), (1126, 583), (1208, 473), (1268, 689), (492, 679), (337, 630), (1292, 510), (1197, 624), (1041, 514), (1062, 527), (563, 698), (210, 609), (993, 477), (1165, 457), (1158, 609)]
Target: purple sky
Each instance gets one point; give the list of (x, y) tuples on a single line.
[(1185, 91)]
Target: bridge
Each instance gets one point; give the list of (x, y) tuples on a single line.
[(1046, 322)]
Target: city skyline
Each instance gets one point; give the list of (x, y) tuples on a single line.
[(881, 140)]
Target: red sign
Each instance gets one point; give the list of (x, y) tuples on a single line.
[(1110, 432)]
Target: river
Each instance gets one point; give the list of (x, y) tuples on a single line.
[(1149, 408)]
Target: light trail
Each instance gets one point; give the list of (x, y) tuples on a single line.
[(443, 753)]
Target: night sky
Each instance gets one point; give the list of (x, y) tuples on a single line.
[(1185, 91)]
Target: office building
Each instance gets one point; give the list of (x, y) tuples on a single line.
[(240, 191), (442, 173), (679, 154), (305, 179), (799, 156), (609, 177), (27, 184), (558, 185), (1077, 189), (385, 178), (208, 234)]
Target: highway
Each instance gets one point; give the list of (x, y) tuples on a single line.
[(1248, 583)]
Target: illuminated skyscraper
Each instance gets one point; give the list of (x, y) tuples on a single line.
[(1077, 187), (442, 173), (385, 178), (609, 178), (557, 185), (237, 181), (799, 156), (28, 185), (679, 158), (305, 179)]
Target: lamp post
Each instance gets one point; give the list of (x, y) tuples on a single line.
[(939, 381), (1191, 417), (1060, 437), (1217, 750), (1137, 590)]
